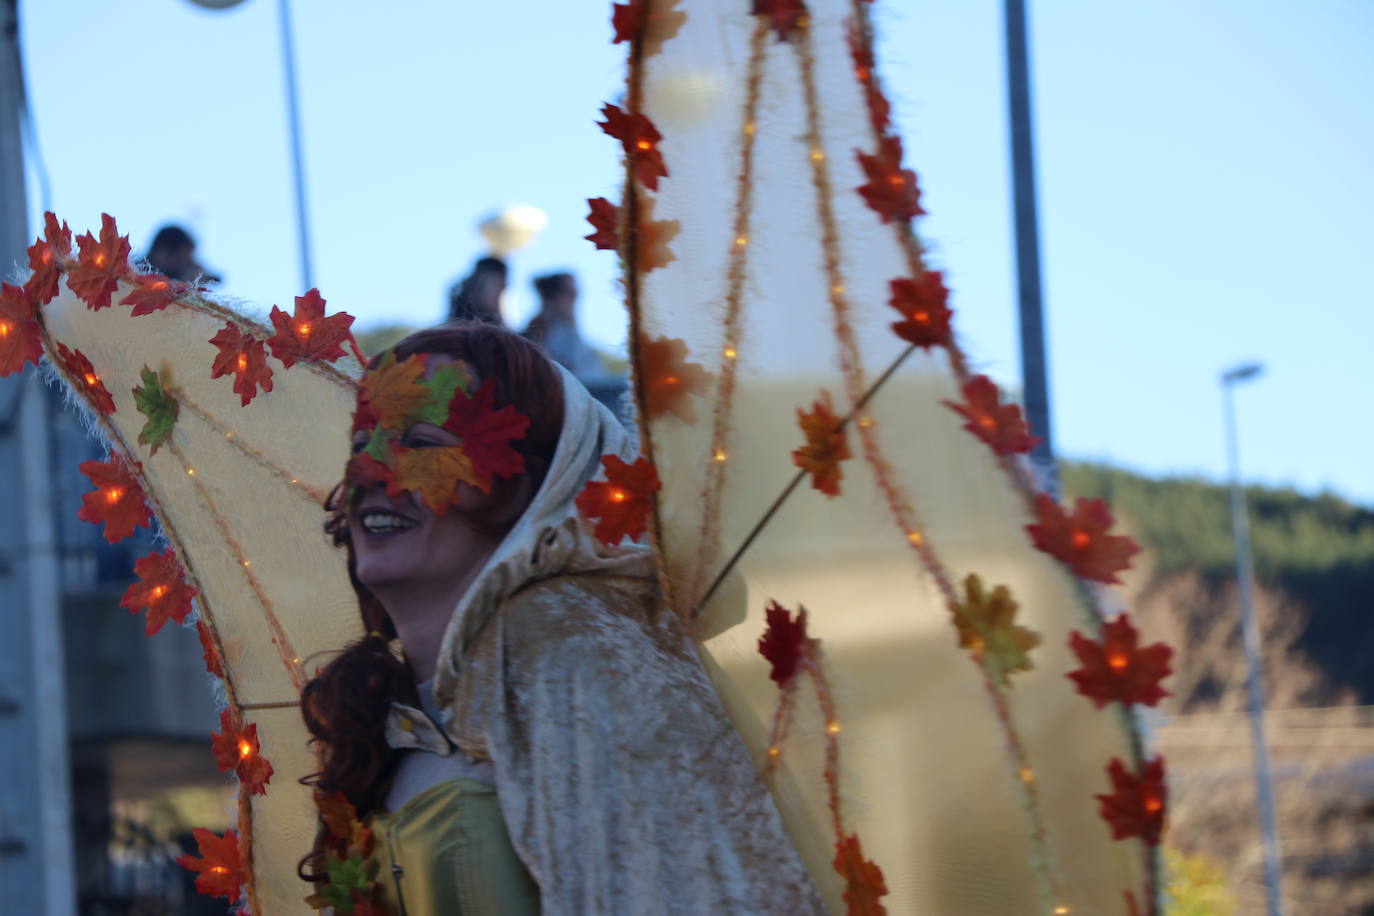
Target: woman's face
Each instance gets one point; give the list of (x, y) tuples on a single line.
[(401, 544)]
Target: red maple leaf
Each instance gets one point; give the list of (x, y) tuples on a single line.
[(208, 652), (162, 589), (786, 16), (220, 866), (83, 378), (891, 190), (45, 257), (879, 111), (922, 304), (668, 379), (1135, 806), (826, 446), (153, 293), (1080, 541), (100, 265), (308, 334), (238, 749), (622, 502), (783, 642), (244, 356), (605, 218), (117, 500), (363, 470), (1119, 669), (999, 425), (21, 337), (863, 880), (627, 19), (640, 139), (487, 433)]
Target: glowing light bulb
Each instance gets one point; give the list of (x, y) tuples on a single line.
[(832, 727), (113, 495), (837, 289), (219, 869), (100, 259), (644, 145), (1153, 804), (5, 328), (1118, 660), (987, 423), (730, 353), (245, 748), (159, 285), (741, 240), (719, 455), (774, 751), (190, 472), (246, 564), (670, 380), (922, 317), (1026, 774), (896, 181), (618, 495), (1081, 539), (243, 362), (159, 591), (304, 328), (92, 380), (866, 422), (915, 537), (817, 155), (749, 129), (1060, 910)]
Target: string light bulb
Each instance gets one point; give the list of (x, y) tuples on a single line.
[(730, 353), (719, 455), (159, 591), (92, 380), (1061, 910), (817, 155), (245, 749), (243, 362), (749, 128), (1026, 775), (774, 751), (866, 422), (303, 328), (190, 472), (837, 289), (832, 727), (1081, 539), (113, 494), (916, 538), (618, 495), (741, 240), (5, 328)]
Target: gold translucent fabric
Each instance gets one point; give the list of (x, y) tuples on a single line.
[(956, 823)]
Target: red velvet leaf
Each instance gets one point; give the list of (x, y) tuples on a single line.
[(1080, 541), (153, 293), (621, 503), (238, 749), (220, 867), (783, 642), (922, 304), (117, 500), (244, 356), (999, 425), (162, 590), (639, 138), (863, 880), (627, 19), (1136, 805), (100, 265), (786, 16), (21, 337), (209, 653), (1118, 669), (308, 334), (45, 258), (668, 379), (487, 433), (891, 190), (605, 219), (82, 376), (826, 446)]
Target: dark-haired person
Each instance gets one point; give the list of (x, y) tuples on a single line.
[(526, 728), (173, 254), (477, 297), (554, 328)]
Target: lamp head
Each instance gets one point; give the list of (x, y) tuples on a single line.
[(1241, 373)]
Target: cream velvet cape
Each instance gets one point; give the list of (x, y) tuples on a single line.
[(622, 781)]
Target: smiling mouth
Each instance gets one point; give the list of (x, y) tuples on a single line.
[(386, 522)]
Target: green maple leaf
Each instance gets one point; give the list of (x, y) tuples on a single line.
[(378, 446), (155, 403), (984, 621), (447, 379), (345, 876)]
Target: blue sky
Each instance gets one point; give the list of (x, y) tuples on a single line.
[(1206, 185)]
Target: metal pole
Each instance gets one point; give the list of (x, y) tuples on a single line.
[(288, 53), (1034, 370), (1245, 575)]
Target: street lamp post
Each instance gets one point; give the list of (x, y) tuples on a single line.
[(1250, 637)]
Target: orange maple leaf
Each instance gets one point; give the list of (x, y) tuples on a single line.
[(891, 190), (1080, 541), (786, 16), (863, 880), (432, 474), (999, 425), (622, 502), (242, 355), (826, 446), (985, 622), (1117, 669), (640, 139), (82, 376), (392, 392), (221, 866), (487, 433), (783, 642), (605, 219), (345, 832), (46, 256), (153, 293), (162, 589), (100, 265), (117, 500), (21, 337), (238, 749), (208, 652), (308, 334), (653, 236), (668, 379), (1136, 805), (922, 304)]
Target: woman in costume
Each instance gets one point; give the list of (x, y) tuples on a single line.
[(539, 743)]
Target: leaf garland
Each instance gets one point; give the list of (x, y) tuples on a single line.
[(1117, 669), (100, 265), (668, 379), (1135, 807), (46, 257), (21, 337), (117, 501), (243, 356), (891, 190), (605, 221), (220, 868), (237, 749), (1000, 425), (153, 293), (922, 303), (826, 446), (1080, 540), (639, 138), (985, 624), (307, 334), (161, 589), (620, 505), (785, 17), (82, 376), (863, 880)]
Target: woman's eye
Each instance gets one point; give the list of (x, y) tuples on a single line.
[(422, 442), (358, 447)]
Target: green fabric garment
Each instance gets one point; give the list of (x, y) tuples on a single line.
[(454, 854)]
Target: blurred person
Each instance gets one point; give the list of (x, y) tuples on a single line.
[(477, 297), (173, 254), (555, 329)]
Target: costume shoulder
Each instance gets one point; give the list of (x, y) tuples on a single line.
[(623, 783)]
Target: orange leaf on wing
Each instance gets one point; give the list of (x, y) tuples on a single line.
[(220, 867), (243, 356), (669, 381), (100, 265), (161, 589), (826, 446), (45, 258), (117, 500), (621, 503), (21, 337), (308, 334)]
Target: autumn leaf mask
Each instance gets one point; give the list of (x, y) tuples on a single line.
[(399, 395)]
